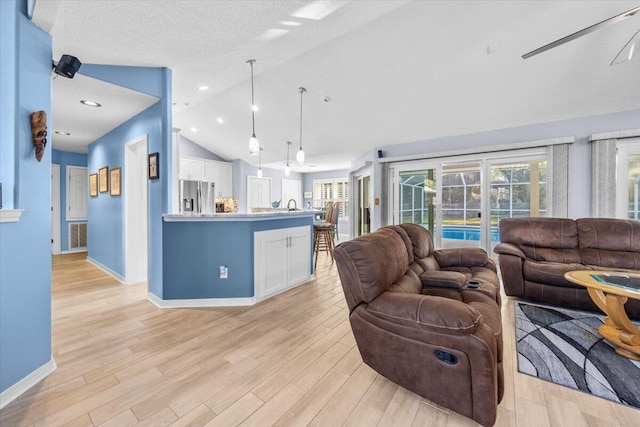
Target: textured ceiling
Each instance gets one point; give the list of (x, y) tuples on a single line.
[(395, 71)]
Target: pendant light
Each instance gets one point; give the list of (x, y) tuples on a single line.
[(254, 145), (287, 168), (300, 153), (259, 174)]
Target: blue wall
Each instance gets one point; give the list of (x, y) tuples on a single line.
[(194, 251), (8, 89), (106, 213), (189, 148), (25, 246), (64, 159)]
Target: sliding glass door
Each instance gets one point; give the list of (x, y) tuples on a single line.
[(461, 201), (517, 188)]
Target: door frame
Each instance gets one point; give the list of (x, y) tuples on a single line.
[(135, 166), (355, 207), (55, 209)]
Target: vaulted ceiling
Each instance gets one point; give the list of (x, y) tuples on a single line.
[(395, 71)]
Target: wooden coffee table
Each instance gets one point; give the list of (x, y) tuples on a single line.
[(610, 298)]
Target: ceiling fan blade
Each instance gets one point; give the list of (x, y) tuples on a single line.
[(583, 32), (629, 50)]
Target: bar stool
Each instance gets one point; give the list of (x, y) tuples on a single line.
[(322, 240)]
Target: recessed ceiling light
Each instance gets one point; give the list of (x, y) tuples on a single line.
[(272, 34), (90, 103), (291, 23), (254, 107), (194, 130), (203, 87), (317, 10), (61, 132), (220, 120)]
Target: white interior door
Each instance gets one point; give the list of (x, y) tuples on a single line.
[(55, 209), (77, 183), (291, 190), (136, 210), (258, 193)]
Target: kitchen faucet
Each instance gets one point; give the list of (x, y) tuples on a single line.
[(295, 205)]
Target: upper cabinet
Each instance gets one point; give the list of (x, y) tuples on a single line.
[(192, 169), (220, 173)]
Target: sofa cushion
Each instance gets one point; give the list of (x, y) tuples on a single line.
[(609, 243), (550, 273), (543, 239)]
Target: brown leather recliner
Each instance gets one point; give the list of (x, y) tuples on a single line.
[(435, 341)]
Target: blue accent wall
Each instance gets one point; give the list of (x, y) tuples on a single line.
[(25, 246), (8, 90), (64, 159), (106, 243), (194, 251), (188, 148)]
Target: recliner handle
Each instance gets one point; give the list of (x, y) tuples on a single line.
[(446, 357)]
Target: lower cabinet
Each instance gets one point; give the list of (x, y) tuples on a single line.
[(282, 260)]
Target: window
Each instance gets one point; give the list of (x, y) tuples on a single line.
[(332, 191)]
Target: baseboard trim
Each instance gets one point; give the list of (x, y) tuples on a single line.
[(16, 390), (107, 270), (200, 303), (72, 251)]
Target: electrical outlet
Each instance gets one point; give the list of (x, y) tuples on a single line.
[(224, 272)]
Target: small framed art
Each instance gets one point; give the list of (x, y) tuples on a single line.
[(154, 166), (93, 184), (115, 180), (103, 179)]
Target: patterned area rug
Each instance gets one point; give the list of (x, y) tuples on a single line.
[(563, 346)]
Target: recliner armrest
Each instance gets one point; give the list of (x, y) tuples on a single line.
[(461, 257), (427, 312), (509, 249), (443, 279)]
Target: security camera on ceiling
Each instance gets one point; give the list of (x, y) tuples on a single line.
[(68, 66)]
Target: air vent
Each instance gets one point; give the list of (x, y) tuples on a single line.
[(77, 235)]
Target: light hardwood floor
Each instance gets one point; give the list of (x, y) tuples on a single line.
[(290, 360)]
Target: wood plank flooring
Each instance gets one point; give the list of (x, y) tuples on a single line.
[(288, 361)]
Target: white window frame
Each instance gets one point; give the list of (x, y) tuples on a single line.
[(344, 209)]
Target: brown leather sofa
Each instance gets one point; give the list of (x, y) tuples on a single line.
[(535, 253), (416, 322)]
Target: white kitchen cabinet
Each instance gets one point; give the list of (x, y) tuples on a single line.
[(192, 169), (282, 260), (221, 173), (212, 173)]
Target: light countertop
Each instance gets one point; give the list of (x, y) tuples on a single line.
[(221, 217)]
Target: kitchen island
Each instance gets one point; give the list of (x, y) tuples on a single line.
[(261, 255)]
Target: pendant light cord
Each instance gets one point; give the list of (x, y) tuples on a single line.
[(302, 90), (253, 113)]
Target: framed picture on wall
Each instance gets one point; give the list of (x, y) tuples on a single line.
[(154, 166), (114, 178), (103, 179), (93, 184)]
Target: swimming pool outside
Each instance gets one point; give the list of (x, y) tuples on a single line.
[(467, 232)]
